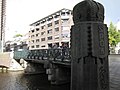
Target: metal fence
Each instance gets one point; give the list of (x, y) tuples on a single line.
[(50, 54)]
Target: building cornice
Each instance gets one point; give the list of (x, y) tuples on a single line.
[(49, 16)]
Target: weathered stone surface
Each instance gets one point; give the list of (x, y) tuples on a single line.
[(88, 10), (89, 47), (34, 68)]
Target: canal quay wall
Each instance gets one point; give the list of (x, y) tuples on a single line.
[(4, 61), (7, 63)]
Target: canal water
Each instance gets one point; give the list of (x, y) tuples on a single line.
[(21, 81)]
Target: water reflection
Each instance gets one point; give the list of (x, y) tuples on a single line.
[(21, 81)]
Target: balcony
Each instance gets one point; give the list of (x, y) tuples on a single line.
[(65, 17)]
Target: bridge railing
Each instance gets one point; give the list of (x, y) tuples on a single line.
[(50, 54)]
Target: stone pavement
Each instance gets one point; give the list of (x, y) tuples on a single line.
[(114, 68)]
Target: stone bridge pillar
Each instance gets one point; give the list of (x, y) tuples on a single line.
[(34, 68), (89, 47)]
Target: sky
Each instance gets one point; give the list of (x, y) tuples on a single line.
[(21, 13)]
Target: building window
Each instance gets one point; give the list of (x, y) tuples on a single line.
[(63, 13), (56, 16), (38, 23), (65, 28), (49, 31), (43, 46), (32, 46), (50, 18), (43, 33), (37, 40), (37, 46), (49, 25), (68, 13), (32, 31), (42, 39), (50, 38), (57, 29), (43, 21), (32, 36), (65, 35), (50, 45), (37, 35), (32, 41), (37, 29), (43, 27), (57, 22), (65, 20), (57, 37)]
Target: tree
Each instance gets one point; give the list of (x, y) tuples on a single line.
[(18, 38), (17, 35), (114, 36)]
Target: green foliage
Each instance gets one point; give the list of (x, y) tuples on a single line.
[(17, 35), (114, 35)]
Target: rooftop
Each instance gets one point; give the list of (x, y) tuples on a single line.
[(51, 15)]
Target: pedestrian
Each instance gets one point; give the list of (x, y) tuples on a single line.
[(55, 46)]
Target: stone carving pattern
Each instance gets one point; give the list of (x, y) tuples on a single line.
[(102, 78), (89, 41), (101, 39)]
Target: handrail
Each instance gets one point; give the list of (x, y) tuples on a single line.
[(50, 54)]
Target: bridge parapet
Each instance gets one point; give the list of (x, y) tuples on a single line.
[(49, 54)]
